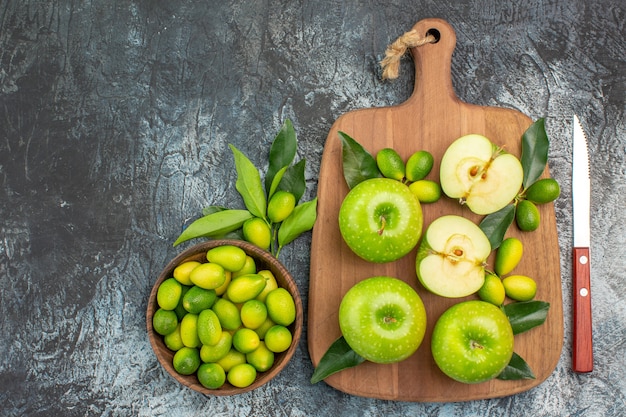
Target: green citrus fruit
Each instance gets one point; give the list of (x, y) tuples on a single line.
[(230, 257), (253, 313), (245, 340), (182, 271), (208, 276), (270, 284), (209, 327), (527, 216), (520, 287), (186, 360), (543, 191), (419, 165), (492, 290), (508, 256), (189, 330), (231, 359), (168, 294), (278, 338), (281, 307), (281, 205), (173, 341), (197, 299), (261, 358), (211, 375), (390, 164), (164, 321), (426, 191), (217, 351), (257, 232), (241, 375), (263, 328), (249, 267), (228, 313), (245, 287)]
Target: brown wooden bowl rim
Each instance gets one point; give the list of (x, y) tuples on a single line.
[(264, 260)]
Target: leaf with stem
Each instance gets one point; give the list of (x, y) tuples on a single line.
[(358, 164), (534, 158), (249, 184), (282, 152)]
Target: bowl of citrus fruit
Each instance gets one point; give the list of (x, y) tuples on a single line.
[(224, 317)]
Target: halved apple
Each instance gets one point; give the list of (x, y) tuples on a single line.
[(452, 256), (480, 174)]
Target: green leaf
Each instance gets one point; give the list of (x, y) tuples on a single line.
[(293, 180), (516, 369), (249, 184), (338, 357), (277, 178), (525, 315), (358, 164), (214, 225), (496, 224), (282, 152), (534, 158), (299, 221)]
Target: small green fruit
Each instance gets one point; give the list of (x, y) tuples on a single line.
[(419, 165), (390, 164), (281, 205), (426, 191), (492, 290), (527, 216), (508, 256), (520, 287), (543, 191)]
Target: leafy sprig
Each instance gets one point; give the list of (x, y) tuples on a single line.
[(282, 175)]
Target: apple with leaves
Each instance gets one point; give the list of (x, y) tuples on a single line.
[(472, 341), (480, 174), (382, 319), (380, 219)]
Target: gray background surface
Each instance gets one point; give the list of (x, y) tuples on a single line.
[(114, 122)]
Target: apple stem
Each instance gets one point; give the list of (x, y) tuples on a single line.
[(383, 223), (389, 320), (475, 345)]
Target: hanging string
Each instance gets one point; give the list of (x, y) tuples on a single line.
[(398, 48)]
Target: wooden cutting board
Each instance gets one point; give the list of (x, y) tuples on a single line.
[(431, 119)]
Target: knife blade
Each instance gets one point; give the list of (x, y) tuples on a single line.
[(582, 352)]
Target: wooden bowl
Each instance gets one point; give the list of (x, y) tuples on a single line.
[(264, 260)]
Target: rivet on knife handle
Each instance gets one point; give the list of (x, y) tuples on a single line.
[(582, 355)]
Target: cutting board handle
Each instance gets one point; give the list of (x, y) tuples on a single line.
[(433, 63)]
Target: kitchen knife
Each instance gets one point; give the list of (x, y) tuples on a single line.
[(582, 353)]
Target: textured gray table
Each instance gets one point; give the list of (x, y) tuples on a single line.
[(114, 122)]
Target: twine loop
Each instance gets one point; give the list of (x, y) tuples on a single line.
[(398, 48)]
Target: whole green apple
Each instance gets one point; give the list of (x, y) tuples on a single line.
[(380, 220), (472, 341), (383, 319)]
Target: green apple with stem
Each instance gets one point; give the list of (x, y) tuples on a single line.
[(472, 342), (382, 319), (452, 256), (380, 220), (480, 174)]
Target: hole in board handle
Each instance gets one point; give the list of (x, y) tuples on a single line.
[(435, 33)]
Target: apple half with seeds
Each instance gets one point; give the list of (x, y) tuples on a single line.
[(452, 256), (480, 174)]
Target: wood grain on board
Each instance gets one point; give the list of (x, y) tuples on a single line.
[(431, 119)]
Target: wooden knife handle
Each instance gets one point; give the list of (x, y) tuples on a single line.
[(582, 354)]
